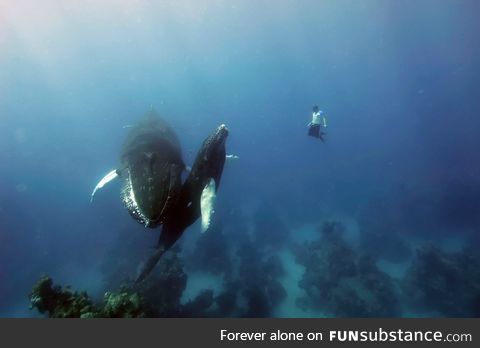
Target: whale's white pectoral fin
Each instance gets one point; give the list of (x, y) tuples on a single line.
[(207, 200), (105, 180), (232, 157)]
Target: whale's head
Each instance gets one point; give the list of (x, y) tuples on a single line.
[(212, 152), (220, 135)]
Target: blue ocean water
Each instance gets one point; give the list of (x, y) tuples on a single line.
[(382, 219)]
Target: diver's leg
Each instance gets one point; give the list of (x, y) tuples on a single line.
[(314, 131), (322, 135)]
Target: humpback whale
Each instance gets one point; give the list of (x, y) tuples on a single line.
[(150, 168), (152, 191), (151, 165), (208, 167)]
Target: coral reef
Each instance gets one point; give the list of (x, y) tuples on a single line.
[(341, 282), (386, 231), (125, 304), (119, 265), (158, 296), (226, 301), (163, 289), (211, 252), (259, 275), (200, 305), (448, 284), (58, 302)]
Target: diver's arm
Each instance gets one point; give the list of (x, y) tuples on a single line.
[(324, 121)]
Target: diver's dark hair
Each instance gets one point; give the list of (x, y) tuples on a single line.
[(315, 108)]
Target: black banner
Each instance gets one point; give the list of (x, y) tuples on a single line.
[(239, 332)]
